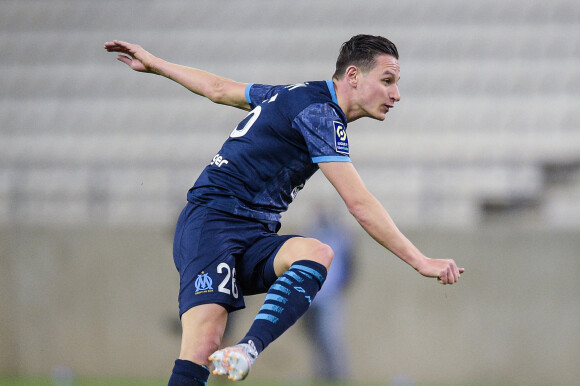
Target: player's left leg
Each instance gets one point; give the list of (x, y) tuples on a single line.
[(203, 327), (203, 257), (301, 265)]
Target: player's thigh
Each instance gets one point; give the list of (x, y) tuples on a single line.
[(300, 248), (203, 328), (255, 268), (206, 248)]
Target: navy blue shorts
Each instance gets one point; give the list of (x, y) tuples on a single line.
[(221, 257)]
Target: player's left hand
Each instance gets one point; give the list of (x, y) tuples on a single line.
[(132, 55)]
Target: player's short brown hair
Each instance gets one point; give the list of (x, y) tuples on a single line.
[(361, 51)]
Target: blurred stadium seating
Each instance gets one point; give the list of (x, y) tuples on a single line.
[(95, 162), (489, 111)]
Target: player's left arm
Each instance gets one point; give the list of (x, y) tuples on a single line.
[(374, 218), (214, 87)]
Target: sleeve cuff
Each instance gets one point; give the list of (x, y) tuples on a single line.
[(330, 158), (247, 93)]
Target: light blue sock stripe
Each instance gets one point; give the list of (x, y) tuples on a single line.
[(294, 276), (281, 288), (268, 317), (276, 298), (272, 307), (285, 280), (309, 270)]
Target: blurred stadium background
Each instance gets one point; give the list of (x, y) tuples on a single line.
[(480, 162)]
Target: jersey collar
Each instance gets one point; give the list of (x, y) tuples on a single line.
[(331, 89)]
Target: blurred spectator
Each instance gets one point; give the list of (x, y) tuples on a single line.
[(325, 320)]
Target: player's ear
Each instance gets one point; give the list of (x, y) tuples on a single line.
[(351, 75)]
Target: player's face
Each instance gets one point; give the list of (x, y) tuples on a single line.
[(377, 88)]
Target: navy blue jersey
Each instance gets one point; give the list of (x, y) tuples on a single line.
[(274, 150)]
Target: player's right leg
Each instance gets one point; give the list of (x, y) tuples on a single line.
[(293, 273)]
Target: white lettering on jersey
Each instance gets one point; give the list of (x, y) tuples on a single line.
[(255, 113), (296, 190), (218, 161), (294, 86)]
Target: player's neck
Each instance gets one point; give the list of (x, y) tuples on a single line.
[(345, 98)]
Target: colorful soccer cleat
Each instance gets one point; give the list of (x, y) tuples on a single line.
[(235, 361)]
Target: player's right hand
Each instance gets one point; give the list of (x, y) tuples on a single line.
[(445, 270)]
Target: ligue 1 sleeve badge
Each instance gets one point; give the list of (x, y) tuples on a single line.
[(340, 138)]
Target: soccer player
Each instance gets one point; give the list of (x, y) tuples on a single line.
[(226, 243)]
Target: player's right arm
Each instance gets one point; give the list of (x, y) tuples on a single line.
[(214, 87), (373, 217)]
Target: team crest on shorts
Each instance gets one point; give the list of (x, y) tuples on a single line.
[(203, 284), (340, 138)]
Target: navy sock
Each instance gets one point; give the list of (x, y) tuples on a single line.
[(186, 373), (286, 301)]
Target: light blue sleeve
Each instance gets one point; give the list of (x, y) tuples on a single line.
[(330, 158), (247, 93)]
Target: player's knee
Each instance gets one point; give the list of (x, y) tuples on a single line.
[(302, 249), (323, 254), (208, 347), (199, 350)]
